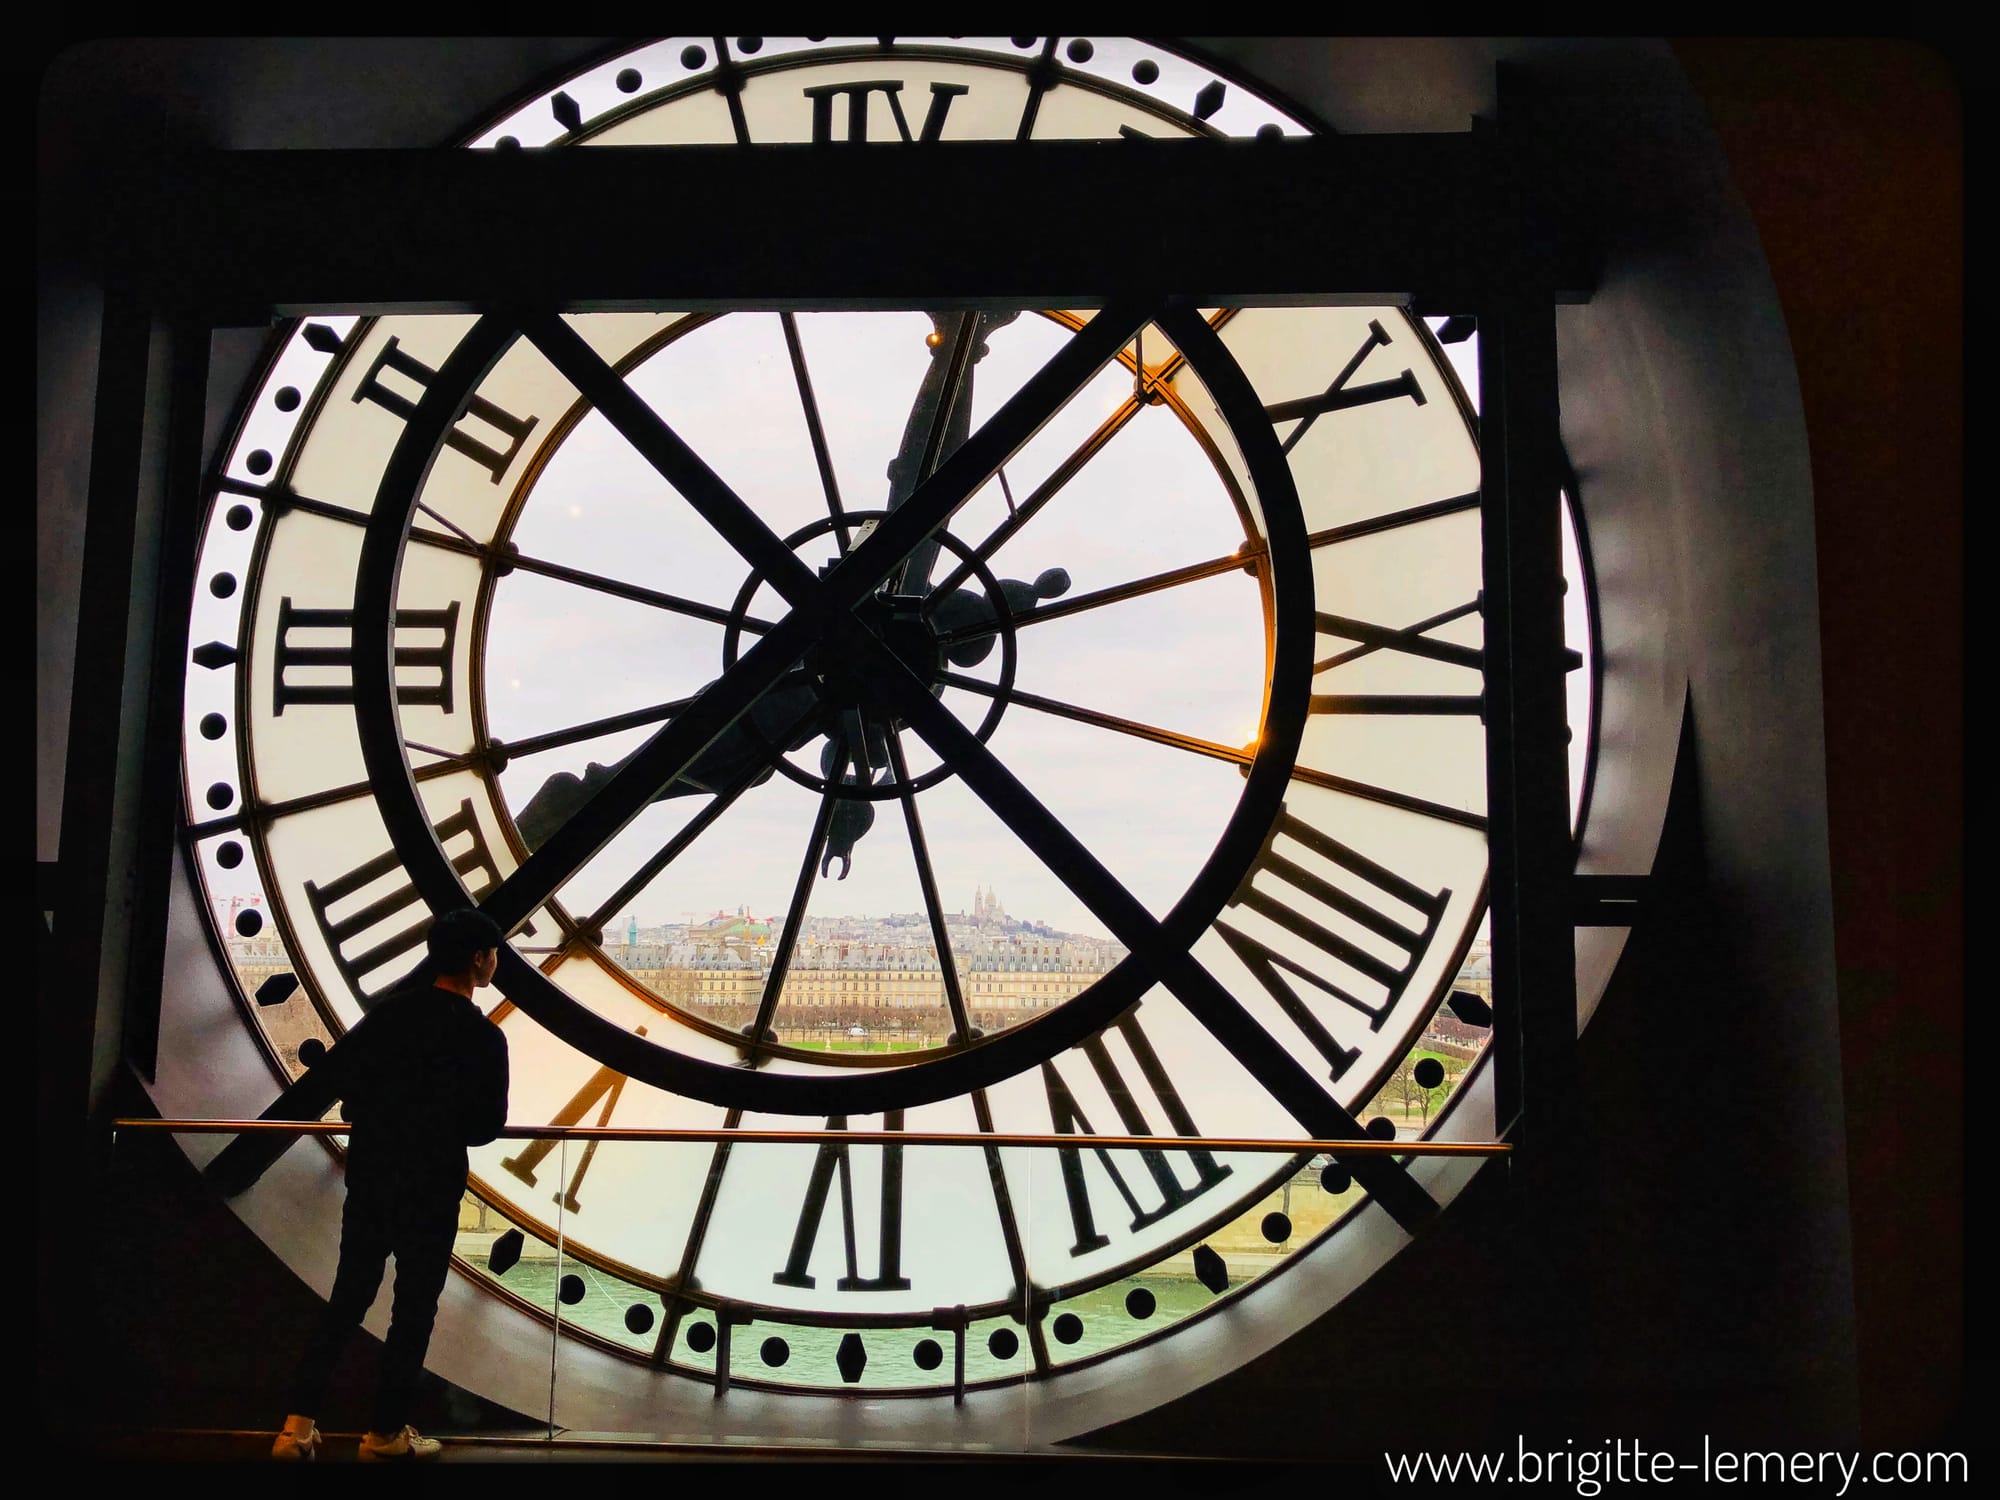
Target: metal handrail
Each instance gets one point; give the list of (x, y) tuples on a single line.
[(1071, 1142)]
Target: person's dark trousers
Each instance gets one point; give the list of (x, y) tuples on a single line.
[(369, 1235)]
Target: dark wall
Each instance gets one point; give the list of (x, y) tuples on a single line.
[(1850, 155)]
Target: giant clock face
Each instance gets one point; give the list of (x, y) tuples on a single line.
[(1054, 721)]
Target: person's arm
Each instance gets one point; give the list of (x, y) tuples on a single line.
[(488, 1114), (345, 1070)]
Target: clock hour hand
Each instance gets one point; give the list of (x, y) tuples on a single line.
[(969, 609), (947, 387), (749, 740), (946, 390)]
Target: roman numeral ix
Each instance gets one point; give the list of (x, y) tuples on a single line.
[(420, 658)]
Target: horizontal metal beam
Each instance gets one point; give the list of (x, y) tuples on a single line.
[(1404, 219)]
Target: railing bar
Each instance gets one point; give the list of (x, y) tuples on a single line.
[(1368, 1147)]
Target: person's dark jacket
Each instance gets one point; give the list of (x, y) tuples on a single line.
[(421, 1077)]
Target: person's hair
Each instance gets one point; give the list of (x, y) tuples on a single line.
[(457, 936)]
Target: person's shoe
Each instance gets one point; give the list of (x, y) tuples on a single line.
[(298, 1442), (406, 1446)]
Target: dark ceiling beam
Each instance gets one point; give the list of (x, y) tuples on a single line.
[(256, 235)]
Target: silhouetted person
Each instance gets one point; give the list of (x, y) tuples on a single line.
[(420, 1078)]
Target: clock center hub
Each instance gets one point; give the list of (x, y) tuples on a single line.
[(899, 624)]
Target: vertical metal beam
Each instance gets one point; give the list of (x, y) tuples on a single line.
[(1527, 764), (82, 987), (82, 1024), (158, 805)]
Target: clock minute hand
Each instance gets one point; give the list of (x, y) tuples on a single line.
[(772, 720), (940, 420), (669, 754)]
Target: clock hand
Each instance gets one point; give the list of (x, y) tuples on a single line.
[(852, 816), (944, 397), (748, 740), (947, 384), (940, 420), (969, 608)]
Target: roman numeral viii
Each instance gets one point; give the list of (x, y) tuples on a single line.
[(512, 429), (858, 95), (1067, 1118), (379, 933), (831, 1161), (424, 642), (1355, 974), (605, 1084)]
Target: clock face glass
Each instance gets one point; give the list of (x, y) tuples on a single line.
[(1183, 833)]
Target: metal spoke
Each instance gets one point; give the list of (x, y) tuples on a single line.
[(711, 1188), (1236, 562), (920, 851), (781, 958), (1133, 727), (1039, 78), (1046, 491), (657, 763), (1367, 791), (458, 541), (724, 798), (617, 588), (813, 429), (672, 458), (1334, 535), (270, 812), (595, 728)]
